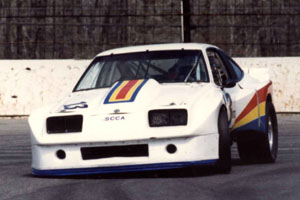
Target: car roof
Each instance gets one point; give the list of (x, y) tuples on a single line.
[(157, 47)]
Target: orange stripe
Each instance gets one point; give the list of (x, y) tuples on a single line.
[(252, 104), (262, 93), (117, 90), (252, 115)]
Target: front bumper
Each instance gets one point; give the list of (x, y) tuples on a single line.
[(190, 151), (127, 168)]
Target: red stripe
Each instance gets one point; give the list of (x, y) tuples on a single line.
[(262, 93), (252, 104), (122, 94)]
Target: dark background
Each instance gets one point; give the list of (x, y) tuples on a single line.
[(54, 29)]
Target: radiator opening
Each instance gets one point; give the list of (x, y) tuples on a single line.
[(89, 153)]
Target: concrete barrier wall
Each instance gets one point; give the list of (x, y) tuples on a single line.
[(28, 84), (285, 74)]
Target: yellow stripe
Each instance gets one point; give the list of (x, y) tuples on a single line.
[(252, 115), (132, 90), (116, 92), (262, 108)]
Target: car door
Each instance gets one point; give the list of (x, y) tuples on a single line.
[(242, 106)]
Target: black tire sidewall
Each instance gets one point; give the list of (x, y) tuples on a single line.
[(271, 154), (255, 148), (224, 162)]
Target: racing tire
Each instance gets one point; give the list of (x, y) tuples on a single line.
[(224, 162), (264, 146)]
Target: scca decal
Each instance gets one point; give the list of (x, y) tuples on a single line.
[(114, 118)]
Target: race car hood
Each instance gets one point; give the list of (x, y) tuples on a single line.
[(150, 95), (121, 114)]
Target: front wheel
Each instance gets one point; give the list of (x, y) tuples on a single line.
[(224, 161)]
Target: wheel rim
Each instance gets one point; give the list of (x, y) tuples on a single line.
[(270, 134)]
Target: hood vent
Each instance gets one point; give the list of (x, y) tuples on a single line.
[(64, 124)]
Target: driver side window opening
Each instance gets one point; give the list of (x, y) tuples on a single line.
[(234, 71), (220, 74)]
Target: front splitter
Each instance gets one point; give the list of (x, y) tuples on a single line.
[(120, 169)]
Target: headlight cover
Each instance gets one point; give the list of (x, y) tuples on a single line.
[(172, 117), (64, 124)]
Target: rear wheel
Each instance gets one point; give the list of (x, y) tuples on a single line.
[(224, 162), (261, 147), (270, 138)]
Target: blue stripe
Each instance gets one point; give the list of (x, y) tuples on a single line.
[(128, 168), (253, 126), (132, 97), (111, 92)]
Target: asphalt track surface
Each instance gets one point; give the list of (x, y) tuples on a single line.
[(256, 181)]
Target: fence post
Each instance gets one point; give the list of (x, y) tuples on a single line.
[(185, 21)]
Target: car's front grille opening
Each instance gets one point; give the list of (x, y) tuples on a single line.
[(64, 124), (89, 153)]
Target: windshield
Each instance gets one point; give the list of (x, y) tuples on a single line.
[(163, 66)]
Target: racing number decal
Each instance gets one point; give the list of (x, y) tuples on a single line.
[(82, 104)]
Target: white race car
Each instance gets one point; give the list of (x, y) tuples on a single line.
[(156, 107)]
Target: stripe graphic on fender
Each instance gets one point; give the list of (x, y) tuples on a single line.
[(250, 113), (125, 91)]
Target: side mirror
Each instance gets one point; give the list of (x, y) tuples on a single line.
[(229, 83)]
